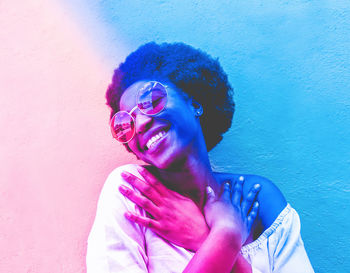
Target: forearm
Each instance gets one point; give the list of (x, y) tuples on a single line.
[(218, 253), (241, 265)]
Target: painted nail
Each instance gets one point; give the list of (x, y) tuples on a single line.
[(257, 186), (127, 215), (125, 190), (209, 190)]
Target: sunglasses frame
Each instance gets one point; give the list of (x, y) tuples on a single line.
[(137, 107)]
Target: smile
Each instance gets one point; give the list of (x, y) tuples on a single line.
[(155, 139)]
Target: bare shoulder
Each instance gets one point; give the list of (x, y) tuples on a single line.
[(271, 200)]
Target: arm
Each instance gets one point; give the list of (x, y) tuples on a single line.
[(289, 254), (218, 253)]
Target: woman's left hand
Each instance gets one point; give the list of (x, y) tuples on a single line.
[(174, 217), (231, 212)]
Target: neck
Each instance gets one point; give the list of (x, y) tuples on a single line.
[(190, 177)]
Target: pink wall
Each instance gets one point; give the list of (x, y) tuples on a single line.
[(56, 150)]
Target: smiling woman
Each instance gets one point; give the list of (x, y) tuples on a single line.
[(170, 105), (161, 136)]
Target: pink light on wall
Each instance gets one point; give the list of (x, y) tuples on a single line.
[(55, 140)]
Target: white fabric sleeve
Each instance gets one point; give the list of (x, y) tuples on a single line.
[(289, 254), (116, 244), (255, 270)]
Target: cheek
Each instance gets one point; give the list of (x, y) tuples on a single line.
[(132, 147), (187, 123), (186, 131)]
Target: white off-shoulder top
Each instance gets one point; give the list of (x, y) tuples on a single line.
[(117, 245)]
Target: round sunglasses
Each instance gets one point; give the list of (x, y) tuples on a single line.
[(151, 99)]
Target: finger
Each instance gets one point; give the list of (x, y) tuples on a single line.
[(152, 180), (252, 215), (140, 200), (237, 193), (145, 188), (250, 198), (143, 221), (226, 191), (210, 194)]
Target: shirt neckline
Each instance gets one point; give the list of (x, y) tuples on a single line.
[(268, 232)]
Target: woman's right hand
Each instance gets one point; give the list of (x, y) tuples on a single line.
[(172, 216), (229, 214)]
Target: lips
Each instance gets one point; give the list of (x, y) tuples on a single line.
[(151, 138), (150, 143)]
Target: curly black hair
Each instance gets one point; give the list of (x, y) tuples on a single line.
[(191, 70)]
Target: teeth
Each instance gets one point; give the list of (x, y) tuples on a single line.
[(154, 139)]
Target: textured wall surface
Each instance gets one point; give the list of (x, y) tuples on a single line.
[(289, 62)]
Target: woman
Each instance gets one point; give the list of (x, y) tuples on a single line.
[(170, 105)]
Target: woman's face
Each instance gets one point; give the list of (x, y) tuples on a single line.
[(176, 128)]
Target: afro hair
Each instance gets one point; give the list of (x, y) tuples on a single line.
[(191, 70)]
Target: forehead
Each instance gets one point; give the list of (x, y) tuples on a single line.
[(128, 99)]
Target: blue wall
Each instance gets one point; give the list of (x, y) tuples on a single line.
[(289, 63)]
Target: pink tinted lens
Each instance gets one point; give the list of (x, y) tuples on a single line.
[(152, 98), (122, 127)]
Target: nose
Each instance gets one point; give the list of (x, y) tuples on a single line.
[(142, 122)]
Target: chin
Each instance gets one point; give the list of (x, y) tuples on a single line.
[(161, 160), (171, 159), (172, 154)]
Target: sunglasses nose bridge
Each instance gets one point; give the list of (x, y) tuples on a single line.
[(133, 110)]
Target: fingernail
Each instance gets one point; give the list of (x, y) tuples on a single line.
[(241, 178), (125, 175), (127, 215), (209, 190), (210, 193), (257, 186), (122, 189)]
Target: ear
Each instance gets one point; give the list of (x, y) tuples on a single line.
[(197, 108)]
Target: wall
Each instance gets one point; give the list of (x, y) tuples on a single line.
[(288, 61)]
